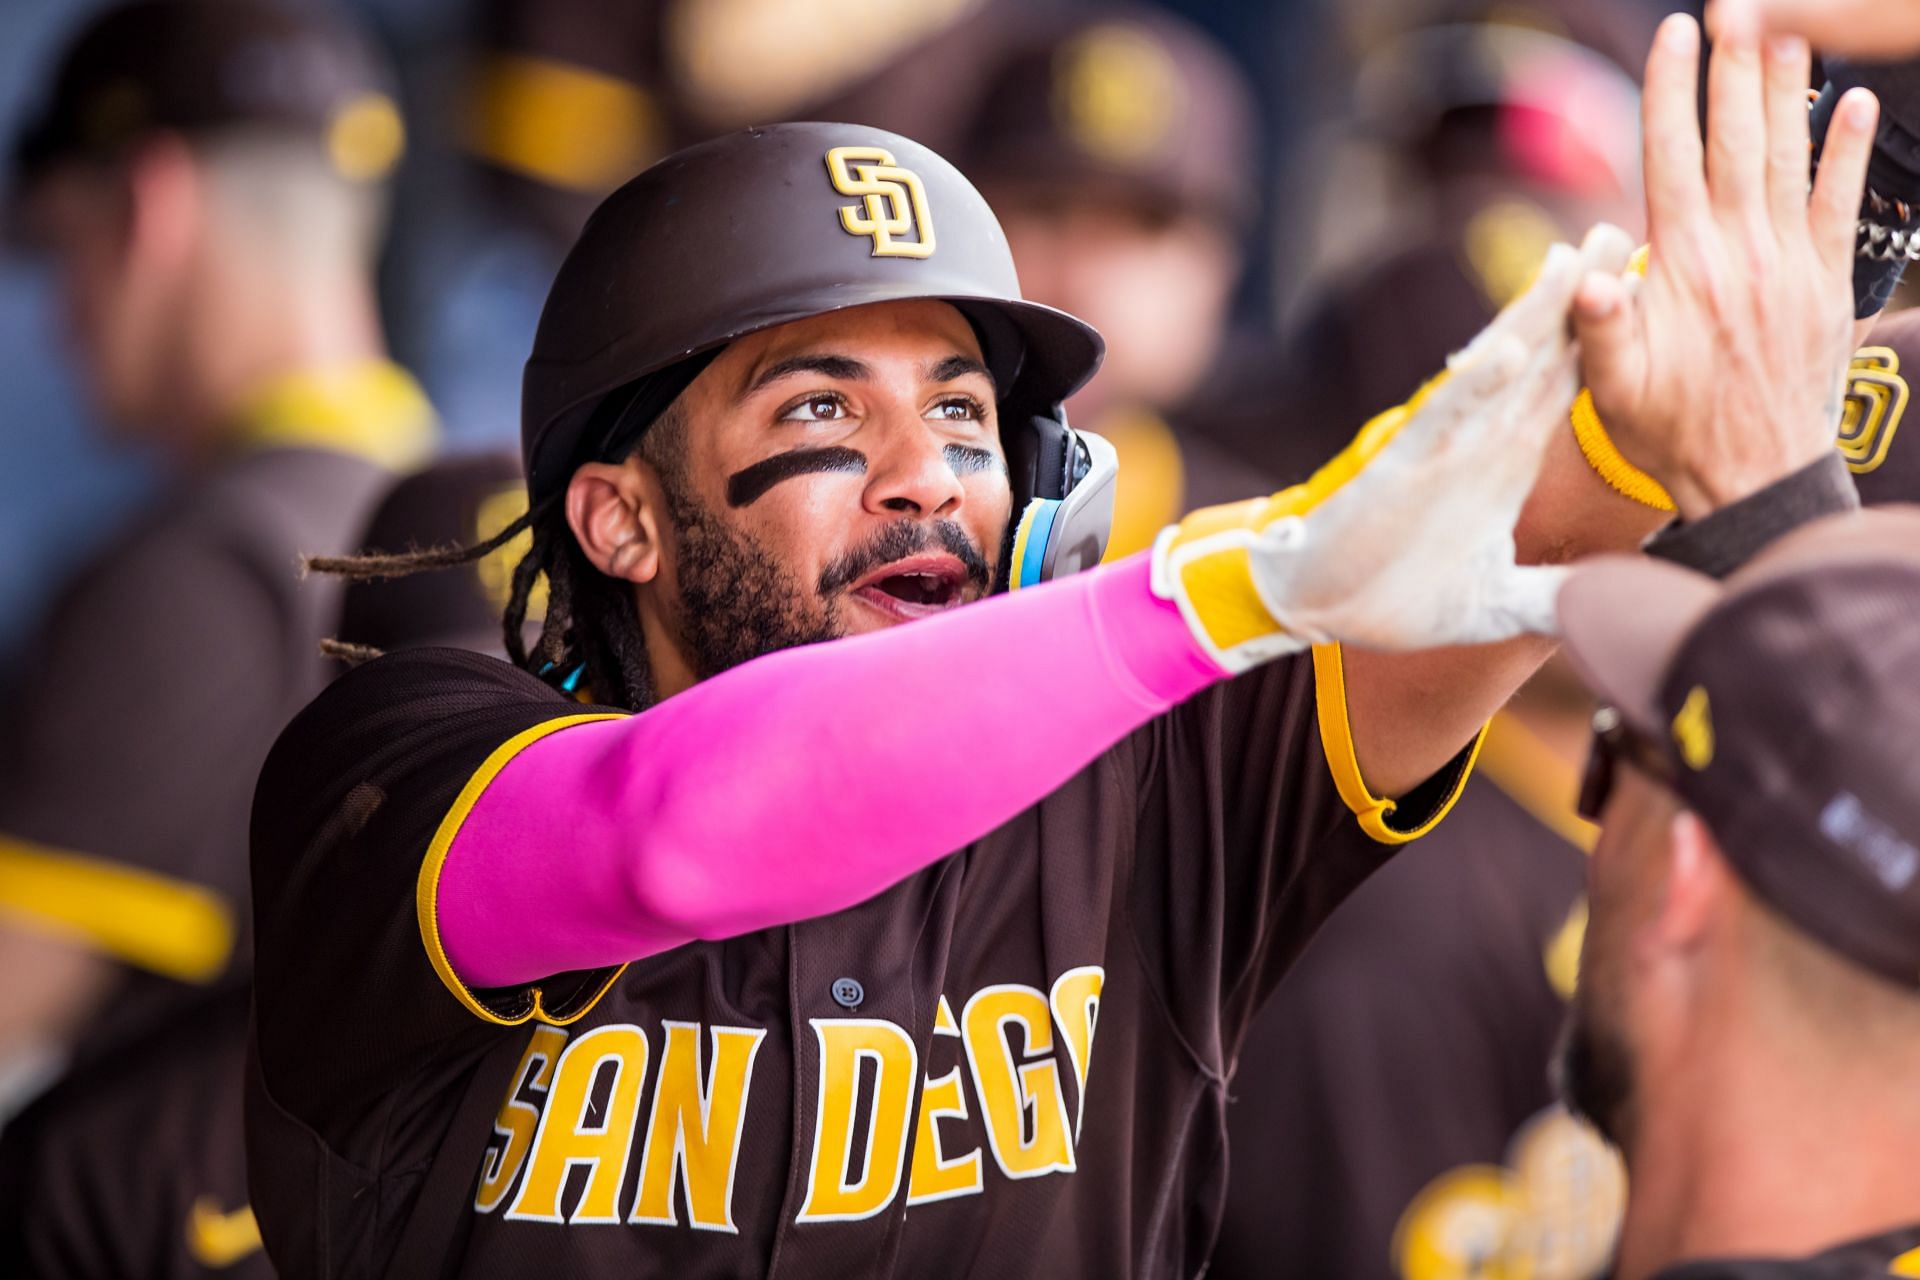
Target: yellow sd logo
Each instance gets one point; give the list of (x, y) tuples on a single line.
[(1876, 400), (893, 204)]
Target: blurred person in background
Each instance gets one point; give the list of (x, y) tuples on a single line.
[(1119, 149), (204, 177), (557, 102), (1476, 142), (72, 1204), (63, 491), (1748, 1016)]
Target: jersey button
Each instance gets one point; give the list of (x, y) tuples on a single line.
[(848, 993)]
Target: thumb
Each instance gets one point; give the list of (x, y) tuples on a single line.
[(1520, 601), (1613, 360)]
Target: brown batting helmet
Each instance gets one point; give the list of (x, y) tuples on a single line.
[(777, 224)]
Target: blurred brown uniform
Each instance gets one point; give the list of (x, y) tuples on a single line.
[(173, 659), (134, 1167)]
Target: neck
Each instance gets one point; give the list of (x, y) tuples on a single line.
[(254, 325), (1775, 1146)]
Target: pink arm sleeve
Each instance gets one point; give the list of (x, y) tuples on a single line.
[(805, 781)]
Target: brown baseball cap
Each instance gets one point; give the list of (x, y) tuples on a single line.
[(1787, 703), (1124, 101), (455, 502), (1881, 446), (196, 66)]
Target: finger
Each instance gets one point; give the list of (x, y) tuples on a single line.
[(1671, 152), (1608, 322), (1736, 122), (1835, 206), (1606, 250), (1788, 66)]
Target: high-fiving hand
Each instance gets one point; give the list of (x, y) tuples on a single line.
[(1404, 541), (1725, 369)]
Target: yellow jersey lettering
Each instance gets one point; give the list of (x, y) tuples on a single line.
[(694, 1130), (1010, 1090), (935, 1177), (517, 1120), (574, 1132), (1076, 1008), (845, 1043)]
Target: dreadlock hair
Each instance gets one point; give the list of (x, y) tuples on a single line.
[(590, 625)]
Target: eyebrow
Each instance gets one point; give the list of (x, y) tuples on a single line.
[(841, 368), (953, 368)]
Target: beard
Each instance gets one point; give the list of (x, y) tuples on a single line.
[(738, 602), (1594, 1068)]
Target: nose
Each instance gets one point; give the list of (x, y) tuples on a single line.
[(909, 474)]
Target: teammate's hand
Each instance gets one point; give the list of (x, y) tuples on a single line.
[(1726, 368), (1404, 541), (1851, 28)]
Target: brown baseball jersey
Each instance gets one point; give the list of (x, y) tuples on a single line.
[(135, 1165), (1892, 1253), (162, 678), (1392, 1115), (1012, 1063)]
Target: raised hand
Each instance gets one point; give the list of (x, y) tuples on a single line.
[(1404, 541), (1852, 28), (1725, 369)]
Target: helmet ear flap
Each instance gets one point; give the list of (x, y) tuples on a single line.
[(1063, 484)]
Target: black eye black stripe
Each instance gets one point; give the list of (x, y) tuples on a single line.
[(966, 459), (749, 483)]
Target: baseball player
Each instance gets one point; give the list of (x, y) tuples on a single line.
[(205, 181), (684, 942), (73, 1203), (1748, 1012)]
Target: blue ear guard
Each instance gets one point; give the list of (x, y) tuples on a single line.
[(1065, 524)]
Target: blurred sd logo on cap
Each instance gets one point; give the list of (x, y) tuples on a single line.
[(1876, 401)]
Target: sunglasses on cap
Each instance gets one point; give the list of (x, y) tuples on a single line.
[(1614, 742)]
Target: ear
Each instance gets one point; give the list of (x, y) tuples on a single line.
[(614, 510), (166, 202), (1699, 885)]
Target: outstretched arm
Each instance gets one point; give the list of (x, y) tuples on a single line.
[(803, 782), (1719, 375)]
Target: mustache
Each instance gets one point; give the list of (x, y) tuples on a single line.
[(900, 540)]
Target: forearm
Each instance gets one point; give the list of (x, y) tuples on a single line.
[(806, 781)]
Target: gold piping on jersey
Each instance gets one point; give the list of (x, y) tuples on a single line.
[(427, 887), (372, 408), (171, 927), (1336, 741)]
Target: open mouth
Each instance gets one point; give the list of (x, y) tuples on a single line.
[(915, 587)]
